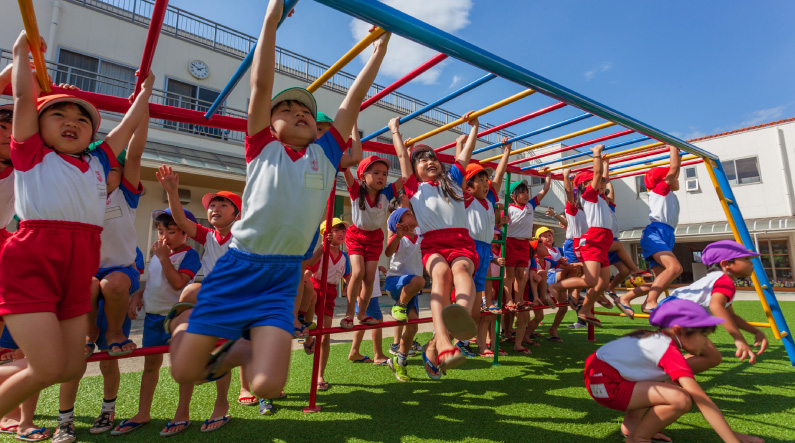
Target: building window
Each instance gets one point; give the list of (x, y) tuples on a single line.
[(535, 181), (776, 261), (187, 96), (95, 74), (742, 171), (640, 186), (691, 179)]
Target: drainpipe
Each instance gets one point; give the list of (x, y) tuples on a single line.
[(53, 34), (787, 175)]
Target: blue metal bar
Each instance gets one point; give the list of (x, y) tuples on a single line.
[(645, 160), (406, 26), (569, 157), (767, 288), (243, 68), (536, 132), (439, 102)]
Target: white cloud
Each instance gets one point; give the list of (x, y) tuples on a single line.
[(694, 133), (603, 67), (456, 79), (763, 116), (403, 55)]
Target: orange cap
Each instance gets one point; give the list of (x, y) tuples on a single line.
[(231, 196), (45, 102)]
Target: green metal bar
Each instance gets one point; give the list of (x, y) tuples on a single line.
[(501, 278)]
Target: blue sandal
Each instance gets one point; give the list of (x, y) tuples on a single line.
[(119, 345), (215, 361), (29, 435), (130, 425), (436, 374), (224, 420), (173, 424)]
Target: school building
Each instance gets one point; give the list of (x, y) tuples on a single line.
[(97, 45)]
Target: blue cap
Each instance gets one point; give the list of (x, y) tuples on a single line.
[(394, 218), (188, 214)]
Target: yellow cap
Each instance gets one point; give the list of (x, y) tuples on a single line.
[(542, 230), (334, 222)]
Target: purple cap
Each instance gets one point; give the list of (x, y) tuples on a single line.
[(188, 214), (681, 312), (724, 250), (394, 219)]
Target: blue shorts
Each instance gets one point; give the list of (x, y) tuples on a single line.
[(394, 285), (568, 251), (102, 324), (373, 309), (552, 276), (154, 334), (131, 272), (7, 341), (612, 256), (244, 291), (484, 260), (657, 237)]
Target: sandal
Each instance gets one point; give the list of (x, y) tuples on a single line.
[(120, 345), (29, 436), (523, 351), (250, 400), (10, 429), (433, 372), (487, 353), (346, 322), (103, 423), (300, 332), (90, 346), (369, 321), (323, 386), (493, 309), (309, 349), (215, 361), (457, 359), (591, 320), (223, 420), (130, 425), (458, 322), (555, 338), (173, 424), (176, 310)]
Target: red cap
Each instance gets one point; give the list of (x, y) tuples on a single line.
[(582, 177), (45, 102), (367, 162), (234, 198), (474, 168), (655, 176)]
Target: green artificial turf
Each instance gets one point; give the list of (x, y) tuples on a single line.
[(539, 398)]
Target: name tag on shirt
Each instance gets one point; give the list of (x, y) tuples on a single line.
[(111, 213), (313, 180), (102, 190)]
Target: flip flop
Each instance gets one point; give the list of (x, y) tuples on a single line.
[(224, 420), (434, 373), (12, 429), (487, 353), (346, 322), (523, 351), (11, 360), (591, 320), (119, 345), (173, 424), (323, 386), (365, 359), (130, 425), (458, 322), (453, 362), (383, 363), (627, 310), (310, 349), (369, 321), (91, 346), (244, 401), (555, 338), (299, 332), (215, 360), (657, 440), (28, 436), (177, 309)]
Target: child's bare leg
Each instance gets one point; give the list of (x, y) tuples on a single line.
[(538, 317), (519, 284), (325, 348), (666, 403), (355, 352), (592, 271), (189, 355), (507, 286), (93, 329), (116, 292), (398, 332), (27, 411), (149, 378), (553, 330), (618, 247), (442, 278), (245, 390), (378, 351), (183, 407), (270, 360), (44, 340), (371, 271), (221, 407), (623, 273), (664, 279), (409, 331), (190, 294), (522, 318), (358, 272)]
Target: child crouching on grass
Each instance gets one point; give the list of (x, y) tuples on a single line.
[(629, 374)]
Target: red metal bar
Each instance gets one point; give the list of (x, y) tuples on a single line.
[(630, 174), (626, 159), (320, 303), (591, 332), (574, 146), (140, 352), (406, 78), (510, 123), (155, 24)]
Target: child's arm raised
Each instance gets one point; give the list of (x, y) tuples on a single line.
[(472, 139), (355, 155), (673, 167), (708, 408), (132, 162), (598, 166), (568, 186), (120, 136), (169, 180), (717, 305), (26, 118), (547, 182), (5, 76), (499, 173), (611, 196), (400, 149), (349, 109), (263, 66)]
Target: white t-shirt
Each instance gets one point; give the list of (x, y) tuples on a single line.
[(375, 212), (159, 295), (338, 269), (521, 224), (215, 246), (597, 211), (480, 216), (432, 210), (407, 259), (577, 224), (118, 233), (700, 291), (652, 358), (663, 205)]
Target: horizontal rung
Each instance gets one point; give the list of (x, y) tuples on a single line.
[(498, 241), (494, 278)]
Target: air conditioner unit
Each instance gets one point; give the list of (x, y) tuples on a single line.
[(691, 184), (184, 196)]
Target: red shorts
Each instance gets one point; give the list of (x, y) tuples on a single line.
[(594, 245), (331, 299), (451, 244), (517, 252), (369, 244), (606, 385), (48, 266)]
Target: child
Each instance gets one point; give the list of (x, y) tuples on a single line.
[(61, 194), (370, 198), (173, 267), (535, 295), (448, 252), (373, 310), (726, 261), (658, 238), (629, 374), (520, 231), (6, 169), (252, 289), (404, 282), (558, 266)]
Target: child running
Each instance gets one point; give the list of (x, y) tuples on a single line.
[(60, 199), (252, 289), (629, 374), (448, 252)]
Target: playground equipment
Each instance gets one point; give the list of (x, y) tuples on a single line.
[(389, 19)]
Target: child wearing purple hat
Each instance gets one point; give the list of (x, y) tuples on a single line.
[(726, 261), (630, 374)]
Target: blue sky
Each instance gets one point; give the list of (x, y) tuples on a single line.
[(688, 68)]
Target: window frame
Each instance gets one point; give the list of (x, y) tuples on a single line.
[(99, 59), (639, 181), (733, 161)]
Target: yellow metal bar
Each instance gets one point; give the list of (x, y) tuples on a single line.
[(590, 160), (350, 55), (555, 140), (754, 279), (483, 111), (620, 314), (32, 31), (659, 163)]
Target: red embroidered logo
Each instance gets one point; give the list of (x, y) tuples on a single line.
[(314, 165), (379, 206), (99, 176), (107, 200)]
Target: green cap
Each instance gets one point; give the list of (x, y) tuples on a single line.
[(300, 95), (515, 185), (323, 118)]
